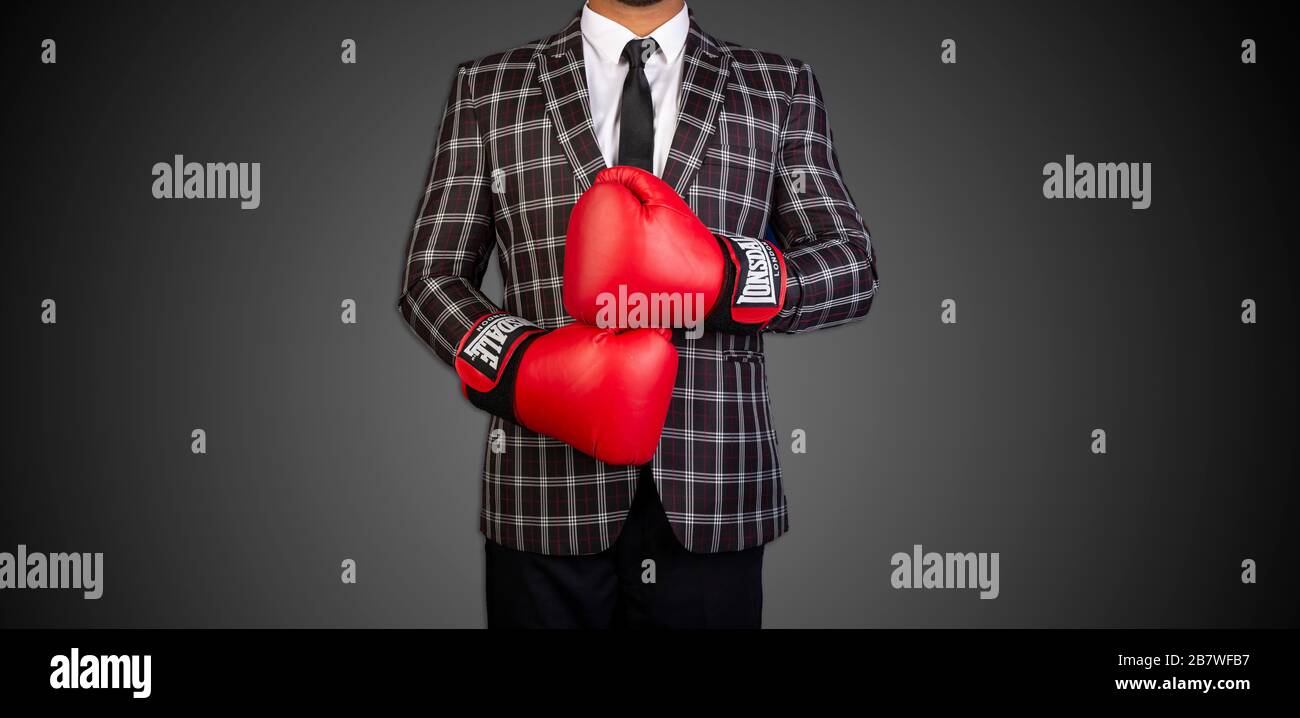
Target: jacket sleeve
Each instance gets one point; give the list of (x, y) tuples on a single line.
[(827, 247), (452, 239)]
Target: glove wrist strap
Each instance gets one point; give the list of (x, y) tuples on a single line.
[(753, 286), (488, 358)]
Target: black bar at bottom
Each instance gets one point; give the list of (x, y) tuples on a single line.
[(246, 668)]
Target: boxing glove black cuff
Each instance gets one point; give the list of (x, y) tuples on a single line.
[(488, 358), (753, 286)]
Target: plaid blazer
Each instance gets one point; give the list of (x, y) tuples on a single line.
[(752, 152)]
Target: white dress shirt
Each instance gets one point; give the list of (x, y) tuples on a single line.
[(602, 43)]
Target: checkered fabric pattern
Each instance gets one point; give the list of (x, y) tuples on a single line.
[(752, 151)]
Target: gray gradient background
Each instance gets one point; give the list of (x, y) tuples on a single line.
[(329, 441)]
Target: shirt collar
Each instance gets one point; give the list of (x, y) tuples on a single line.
[(609, 38)]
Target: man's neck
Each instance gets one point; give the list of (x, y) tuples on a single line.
[(641, 20)]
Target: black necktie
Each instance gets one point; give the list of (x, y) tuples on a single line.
[(636, 133)]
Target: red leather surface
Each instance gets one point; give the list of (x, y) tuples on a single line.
[(631, 228), (602, 391)]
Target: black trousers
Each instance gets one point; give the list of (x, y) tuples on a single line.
[(645, 580)]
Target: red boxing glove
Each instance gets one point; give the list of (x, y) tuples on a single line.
[(602, 391), (630, 229)]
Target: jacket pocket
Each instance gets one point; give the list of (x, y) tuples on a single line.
[(742, 355)]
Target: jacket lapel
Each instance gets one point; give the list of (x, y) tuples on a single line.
[(704, 81), (563, 77)]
